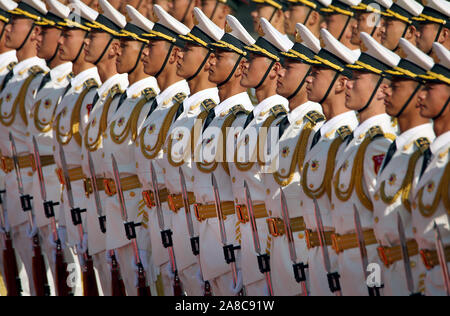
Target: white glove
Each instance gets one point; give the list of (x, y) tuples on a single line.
[(32, 231), (239, 284), (82, 248)]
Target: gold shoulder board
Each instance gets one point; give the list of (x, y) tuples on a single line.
[(115, 90), (149, 93), (278, 110), (208, 105), (90, 83), (344, 132), (422, 144), (35, 70), (11, 65), (375, 132), (180, 97), (238, 109), (314, 117)]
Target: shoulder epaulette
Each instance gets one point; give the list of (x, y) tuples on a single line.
[(35, 70), (422, 144), (314, 117), (239, 109), (115, 91), (344, 132), (90, 83), (278, 110), (180, 97), (11, 65), (70, 75), (208, 105), (375, 132), (149, 94)]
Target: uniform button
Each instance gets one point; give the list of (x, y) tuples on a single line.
[(82, 157), (377, 220), (361, 136), (164, 170), (332, 207), (413, 264), (268, 191), (414, 230), (233, 180), (270, 213), (137, 164), (54, 148), (414, 205), (103, 155), (30, 174), (132, 194), (28, 134), (377, 197), (283, 170), (301, 235), (193, 179), (301, 203)]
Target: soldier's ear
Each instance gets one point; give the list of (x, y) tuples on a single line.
[(444, 37), (411, 33), (340, 85), (115, 47), (36, 32), (174, 55), (314, 18)]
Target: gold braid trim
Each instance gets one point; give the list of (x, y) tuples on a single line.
[(74, 121), (298, 157), (93, 146), (132, 124), (328, 176), (442, 192), (152, 152), (8, 120), (405, 188)]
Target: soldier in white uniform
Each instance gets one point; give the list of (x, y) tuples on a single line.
[(48, 95), (295, 132), (17, 99), (7, 61), (101, 47), (120, 137), (209, 157), (271, 10), (399, 171), (260, 72), (193, 66), (357, 166), (400, 23), (434, 25), (160, 60), (326, 85), (431, 202), (306, 12), (71, 117)]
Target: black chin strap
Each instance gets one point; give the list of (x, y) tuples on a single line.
[(273, 15), (441, 26), (214, 11), (232, 72), (137, 60), (345, 27), (201, 67), (443, 109), (3, 31), (81, 49), (336, 76), (403, 35), (307, 16), (372, 96), (165, 61), (187, 11), (300, 85), (419, 85), (26, 38), (49, 61), (104, 51), (265, 75)]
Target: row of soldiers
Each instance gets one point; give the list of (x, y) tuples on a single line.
[(142, 156)]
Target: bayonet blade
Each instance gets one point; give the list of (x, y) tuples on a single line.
[(405, 255), (321, 234), (287, 226), (93, 174), (38, 165), (156, 195), (223, 232), (16, 164), (251, 214), (119, 190), (442, 259), (62, 157), (361, 241), (187, 206)]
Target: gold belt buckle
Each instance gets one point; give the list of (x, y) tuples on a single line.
[(308, 237), (109, 189), (425, 254), (383, 256), (4, 162), (171, 203), (148, 199), (197, 212), (33, 162), (241, 214), (276, 226), (335, 238), (88, 188)]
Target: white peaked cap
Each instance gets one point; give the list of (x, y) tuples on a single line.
[(414, 55), (238, 31), (412, 6), (8, 5), (385, 3), (138, 19), (307, 38), (207, 26), (57, 8), (371, 47), (37, 4), (442, 6), (112, 14), (350, 3), (442, 55), (274, 37), (168, 21), (83, 10), (332, 45)]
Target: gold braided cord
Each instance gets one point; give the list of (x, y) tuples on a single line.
[(8, 120), (192, 38), (24, 13), (329, 63), (97, 25), (162, 35), (74, 130), (94, 145), (224, 44), (398, 16), (341, 11), (41, 126), (258, 49), (328, 176), (70, 23), (441, 193), (262, 139), (433, 19), (4, 19), (440, 77), (132, 124), (298, 157), (125, 33), (152, 152), (405, 188)]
